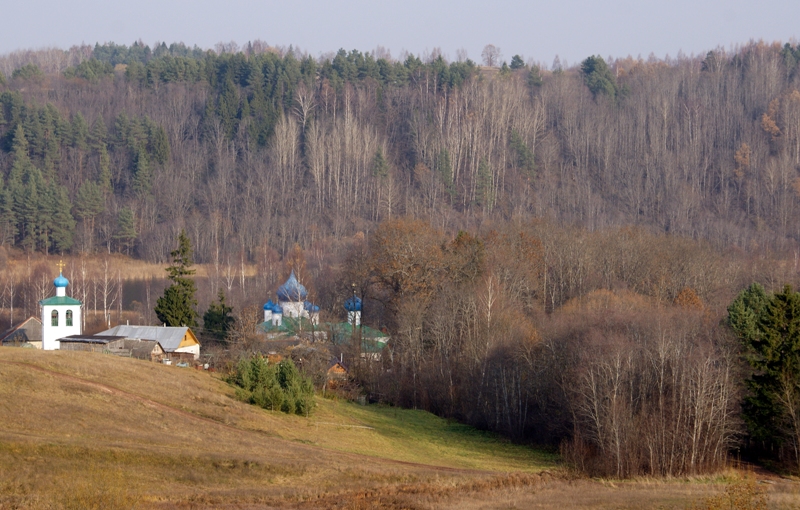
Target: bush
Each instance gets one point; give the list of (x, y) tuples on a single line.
[(277, 387), (742, 495)]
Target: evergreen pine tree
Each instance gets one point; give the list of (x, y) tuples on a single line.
[(158, 144), (62, 223), (25, 185), (218, 319), (177, 306), (517, 62), (598, 77), (125, 232), (525, 159), (104, 177), (99, 134), (143, 176), (89, 202), (28, 208), (8, 220), (79, 132), (769, 329)]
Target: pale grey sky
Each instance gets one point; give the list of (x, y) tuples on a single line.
[(573, 29)]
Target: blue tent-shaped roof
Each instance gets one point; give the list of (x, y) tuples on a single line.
[(353, 304), (292, 290)]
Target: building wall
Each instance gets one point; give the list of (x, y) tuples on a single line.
[(193, 349), (82, 346), (51, 334), (293, 309)]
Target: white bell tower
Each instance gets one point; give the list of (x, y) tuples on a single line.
[(61, 315)]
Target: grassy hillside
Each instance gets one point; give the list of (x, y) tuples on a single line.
[(84, 430), (75, 423)]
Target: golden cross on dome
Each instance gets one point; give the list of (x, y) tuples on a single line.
[(60, 266)]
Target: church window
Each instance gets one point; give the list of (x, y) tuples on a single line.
[(69, 317), (54, 318)]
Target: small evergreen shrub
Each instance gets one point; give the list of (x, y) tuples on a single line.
[(277, 387)]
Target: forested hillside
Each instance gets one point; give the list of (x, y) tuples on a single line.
[(552, 251), (117, 148)]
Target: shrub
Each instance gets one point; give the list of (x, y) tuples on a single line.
[(277, 387), (742, 495)]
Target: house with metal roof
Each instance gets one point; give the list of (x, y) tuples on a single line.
[(178, 340), (149, 350), (27, 332)]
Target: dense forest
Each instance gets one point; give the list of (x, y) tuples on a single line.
[(555, 252), (119, 147)]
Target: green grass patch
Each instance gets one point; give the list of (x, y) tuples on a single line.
[(421, 437)]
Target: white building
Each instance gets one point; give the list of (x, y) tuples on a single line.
[(61, 315), (291, 304)]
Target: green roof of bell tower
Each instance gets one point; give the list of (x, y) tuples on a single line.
[(59, 301)]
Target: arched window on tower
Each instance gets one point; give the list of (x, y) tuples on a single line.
[(54, 318), (69, 317)]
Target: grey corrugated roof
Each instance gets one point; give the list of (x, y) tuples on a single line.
[(29, 330), (169, 338)]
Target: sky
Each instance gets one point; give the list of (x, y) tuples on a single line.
[(536, 30)]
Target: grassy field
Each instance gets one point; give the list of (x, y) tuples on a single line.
[(20, 265), (81, 430)]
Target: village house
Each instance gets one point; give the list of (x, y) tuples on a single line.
[(149, 350), (27, 333), (60, 329), (177, 343)]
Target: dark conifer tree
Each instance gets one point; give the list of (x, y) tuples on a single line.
[(177, 307), (218, 319)]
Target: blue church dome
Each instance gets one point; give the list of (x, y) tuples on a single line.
[(277, 309), (60, 281), (353, 304), (268, 305), (292, 290)]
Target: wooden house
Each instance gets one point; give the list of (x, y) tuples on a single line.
[(178, 343), (117, 345), (337, 374), (27, 332)]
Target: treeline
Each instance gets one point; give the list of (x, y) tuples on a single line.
[(633, 371), (258, 147)]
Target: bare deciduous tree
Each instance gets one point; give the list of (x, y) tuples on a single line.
[(491, 55)]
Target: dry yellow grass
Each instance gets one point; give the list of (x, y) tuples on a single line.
[(603, 299), (83, 430), (20, 266)]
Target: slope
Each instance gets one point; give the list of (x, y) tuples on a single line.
[(89, 430)]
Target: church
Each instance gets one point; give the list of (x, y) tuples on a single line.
[(292, 315), (291, 304), (61, 330), (61, 314)]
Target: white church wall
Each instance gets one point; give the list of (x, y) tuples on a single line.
[(50, 333)]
